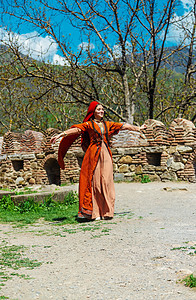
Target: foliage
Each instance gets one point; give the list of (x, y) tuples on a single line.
[(29, 211), (145, 179), (190, 281)]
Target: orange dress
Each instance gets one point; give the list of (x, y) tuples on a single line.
[(96, 186)]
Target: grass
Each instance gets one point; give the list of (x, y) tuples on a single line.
[(13, 258), (29, 211), (191, 250), (190, 281)]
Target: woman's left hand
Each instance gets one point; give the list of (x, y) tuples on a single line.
[(143, 127), (55, 138)]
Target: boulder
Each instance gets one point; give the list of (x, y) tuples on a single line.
[(176, 166), (118, 176), (165, 176), (132, 168), (31, 181), (123, 169), (20, 181), (154, 177), (184, 149), (115, 167), (126, 159), (34, 165), (138, 170)]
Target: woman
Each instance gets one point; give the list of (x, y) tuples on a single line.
[(96, 186)]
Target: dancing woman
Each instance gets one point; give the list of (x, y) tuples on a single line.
[(96, 185)]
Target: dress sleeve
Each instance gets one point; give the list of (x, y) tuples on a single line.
[(82, 127), (114, 128), (72, 131)]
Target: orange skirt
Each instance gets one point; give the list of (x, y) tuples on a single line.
[(103, 193)]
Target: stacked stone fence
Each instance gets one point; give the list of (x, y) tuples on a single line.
[(158, 153)]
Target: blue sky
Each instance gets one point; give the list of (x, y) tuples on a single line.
[(44, 46)]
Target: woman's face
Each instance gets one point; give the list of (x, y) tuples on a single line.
[(99, 112)]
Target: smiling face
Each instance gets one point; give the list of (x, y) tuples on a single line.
[(99, 112)]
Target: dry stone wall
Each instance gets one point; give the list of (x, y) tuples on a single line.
[(156, 153), (160, 154)]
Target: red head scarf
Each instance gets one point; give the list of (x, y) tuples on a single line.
[(67, 141), (85, 141), (91, 110)]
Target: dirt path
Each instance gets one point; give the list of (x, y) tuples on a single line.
[(130, 257)]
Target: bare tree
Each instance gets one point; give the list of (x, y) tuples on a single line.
[(129, 37)]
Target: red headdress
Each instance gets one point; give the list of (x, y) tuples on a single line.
[(67, 141), (91, 110)]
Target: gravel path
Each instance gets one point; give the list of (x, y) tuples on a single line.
[(129, 257)]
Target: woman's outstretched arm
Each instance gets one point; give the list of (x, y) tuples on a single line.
[(132, 127), (67, 132)]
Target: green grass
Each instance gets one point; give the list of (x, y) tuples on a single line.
[(29, 211), (190, 281), (13, 257), (145, 179), (191, 250)]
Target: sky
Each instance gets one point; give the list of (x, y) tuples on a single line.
[(44, 47)]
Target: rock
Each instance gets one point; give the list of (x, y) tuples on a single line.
[(10, 180), (154, 177), (165, 176), (32, 181), (173, 176), (20, 181), (176, 157), (126, 159), (114, 151), (80, 153), (161, 168), (176, 166), (184, 160), (172, 149), (121, 151), (116, 158), (129, 174), (184, 149), (119, 176), (132, 151), (123, 169), (28, 156), (34, 165), (40, 155), (157, 149), (148, 168), (138, 170), (132, 168), (169, 161), (15, 156), (115, 167), (3, 157)]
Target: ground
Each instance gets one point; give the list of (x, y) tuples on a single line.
[(140, 254)]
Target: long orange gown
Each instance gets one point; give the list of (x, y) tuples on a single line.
[(96, 186)]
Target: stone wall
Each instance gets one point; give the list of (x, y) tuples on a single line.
[(158, 153), (29, 158)]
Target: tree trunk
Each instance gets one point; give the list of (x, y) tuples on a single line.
[(129, 105)]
